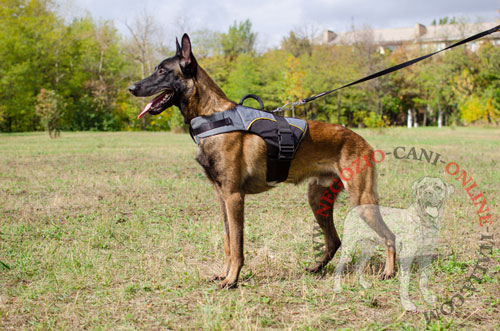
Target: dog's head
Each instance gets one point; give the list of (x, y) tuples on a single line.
[(171, 80), (430, 196)]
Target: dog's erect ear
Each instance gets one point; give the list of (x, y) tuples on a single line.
[(188, 62), (178, 47), (415, 187), (186, 47)]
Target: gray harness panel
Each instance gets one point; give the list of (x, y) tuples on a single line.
[(242, 119), (281, 134)]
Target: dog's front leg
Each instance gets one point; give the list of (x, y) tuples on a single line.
[(234, 202), (227, 250), (424, 268), (404, 283)]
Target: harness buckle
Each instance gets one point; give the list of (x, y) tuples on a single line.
[(286, 146)]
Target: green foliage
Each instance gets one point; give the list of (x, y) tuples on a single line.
[(445, 20), (295, 45), (28, 34), (81, 61), (243, 77), (373, 120), (479, 110), (176, 121), (271, 74), (239, 39), (89, 66), (163, 121), (207, 43), (49, 106)]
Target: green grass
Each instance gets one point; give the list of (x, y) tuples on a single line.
[(121, 231)]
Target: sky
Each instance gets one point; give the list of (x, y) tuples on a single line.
[(272, 20)]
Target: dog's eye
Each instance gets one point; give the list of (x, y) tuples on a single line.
[(161, 71)]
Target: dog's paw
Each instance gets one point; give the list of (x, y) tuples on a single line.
[(217, 278), (220, 276), (226, 284), (316, 269), (337, 288), (409, 306), (366, 285), (430, 299), (387, 275)]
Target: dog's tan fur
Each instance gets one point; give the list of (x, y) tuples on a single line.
[(236, 165)]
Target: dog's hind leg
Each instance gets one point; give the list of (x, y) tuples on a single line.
[(321, 199), (363, 193)]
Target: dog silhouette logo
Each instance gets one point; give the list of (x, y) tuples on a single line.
[(417, 231)]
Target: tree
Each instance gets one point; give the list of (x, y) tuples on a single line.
[(143, 45), (296, 45), (27, 29), (80, 61), (294, 81), (243, 78), (88, 66), (445, 20), (207, 43), (96, 79), (478, 87), (50, 107), (239, 39)]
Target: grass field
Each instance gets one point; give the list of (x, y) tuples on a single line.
[(121, 231)]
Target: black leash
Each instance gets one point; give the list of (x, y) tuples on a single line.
[(389, 70)]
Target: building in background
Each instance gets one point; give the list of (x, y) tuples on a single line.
[(430, 38)]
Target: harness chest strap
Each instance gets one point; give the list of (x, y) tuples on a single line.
[(209, 126), (282, 135)]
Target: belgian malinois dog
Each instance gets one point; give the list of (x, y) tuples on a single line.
[(235, 162)]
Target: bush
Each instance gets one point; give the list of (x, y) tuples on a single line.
[(176, 122), (479, 110), (50, 106)]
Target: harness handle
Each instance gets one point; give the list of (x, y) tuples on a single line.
[(253, 96)]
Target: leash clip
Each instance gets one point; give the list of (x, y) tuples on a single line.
[(293, 105), (280, 109)]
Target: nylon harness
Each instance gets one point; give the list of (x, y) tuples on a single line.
[(282, 135)]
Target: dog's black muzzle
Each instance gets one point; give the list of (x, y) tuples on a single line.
[(133, 89), (147, 87)]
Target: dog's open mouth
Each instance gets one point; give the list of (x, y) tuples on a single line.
[(159, 104), (432, 207)]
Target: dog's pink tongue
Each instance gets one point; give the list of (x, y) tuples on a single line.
[(145, 110)]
